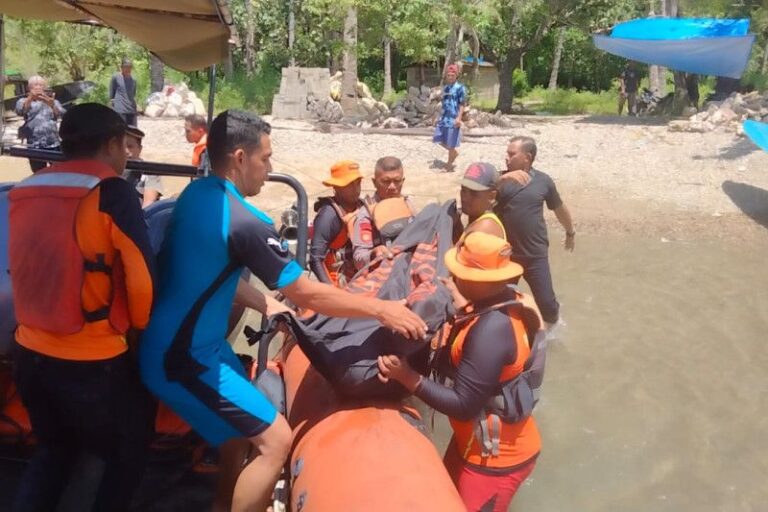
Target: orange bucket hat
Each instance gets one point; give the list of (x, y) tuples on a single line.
[(343, 173), (482, 258)]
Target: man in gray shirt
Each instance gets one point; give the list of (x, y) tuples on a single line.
[(122, 93)]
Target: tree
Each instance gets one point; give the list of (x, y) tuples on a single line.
[(349, 66), (76, 51), (156, 74), (556, 59)]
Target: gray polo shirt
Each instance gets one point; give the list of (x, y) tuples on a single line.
[(122, 90), (521, 210)]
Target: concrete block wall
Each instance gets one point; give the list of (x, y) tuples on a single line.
[(296, 85)]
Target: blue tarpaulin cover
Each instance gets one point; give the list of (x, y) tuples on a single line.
[(705, 46), (758, 133)]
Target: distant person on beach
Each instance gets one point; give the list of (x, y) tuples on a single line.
[(523, 192), (629, 82), (122, 93), (692, 85), (448, 129)]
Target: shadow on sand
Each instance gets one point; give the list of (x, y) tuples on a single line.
[(625, 120), (751, 200)]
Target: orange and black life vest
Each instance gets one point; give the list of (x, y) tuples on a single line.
[(505, 433), (47, 266), (338, 262)]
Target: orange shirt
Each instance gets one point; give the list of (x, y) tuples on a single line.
[(197, 151), (109, 222)]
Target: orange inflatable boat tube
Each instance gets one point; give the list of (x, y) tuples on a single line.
[(357, 457)]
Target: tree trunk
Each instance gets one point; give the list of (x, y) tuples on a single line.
[(680, 101), (450, 46), (156, 74), (387, 65), (250, 38), (349, 80), (506, 90), (387, 61), (764, 67), (291, 30), (229, 66), (556, 60)]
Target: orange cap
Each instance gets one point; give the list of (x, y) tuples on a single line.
[(482, 258), (343, 173)]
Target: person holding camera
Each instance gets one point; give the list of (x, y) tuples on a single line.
[(41, 111)]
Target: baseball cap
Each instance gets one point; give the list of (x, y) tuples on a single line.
[(480, 176)]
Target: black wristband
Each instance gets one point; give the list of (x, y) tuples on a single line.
[(571, 234)]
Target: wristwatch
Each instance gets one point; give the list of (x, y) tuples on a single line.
[(571, 234)]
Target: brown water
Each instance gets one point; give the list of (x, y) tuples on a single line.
[(655, 395)]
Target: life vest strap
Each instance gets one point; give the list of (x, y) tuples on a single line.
[(96, 315), (99, 265)]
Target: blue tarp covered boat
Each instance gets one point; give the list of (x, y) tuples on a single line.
[(705, 46)]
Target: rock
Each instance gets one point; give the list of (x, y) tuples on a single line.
[(413, 92), (363, 91), (426, 91), (689, 112), (394, 123), (383, 108), (421, 106), (678, 126), (369, 105)]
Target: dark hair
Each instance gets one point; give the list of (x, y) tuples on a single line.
[(86, 128), (388, 163), (526, 143), (231, 130), (197, 121)]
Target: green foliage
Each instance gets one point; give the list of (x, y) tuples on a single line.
[(73, 52), (571, 102), (520, 82), (253, 93)]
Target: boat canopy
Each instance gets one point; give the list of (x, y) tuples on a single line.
[(185, 34)]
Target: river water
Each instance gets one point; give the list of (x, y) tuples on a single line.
[(656, 391)]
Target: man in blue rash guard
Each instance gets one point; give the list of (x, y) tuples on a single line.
[(185, 359)]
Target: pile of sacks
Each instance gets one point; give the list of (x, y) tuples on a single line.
[(174, 101), (727, 115)]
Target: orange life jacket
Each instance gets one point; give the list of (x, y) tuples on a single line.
[(338, 262), (492, 440), (47, 266)]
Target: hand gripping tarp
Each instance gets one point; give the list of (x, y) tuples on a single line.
[(345, 350), (705, 46)]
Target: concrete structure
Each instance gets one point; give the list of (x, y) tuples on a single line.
[(483, 87), (297, 87)]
